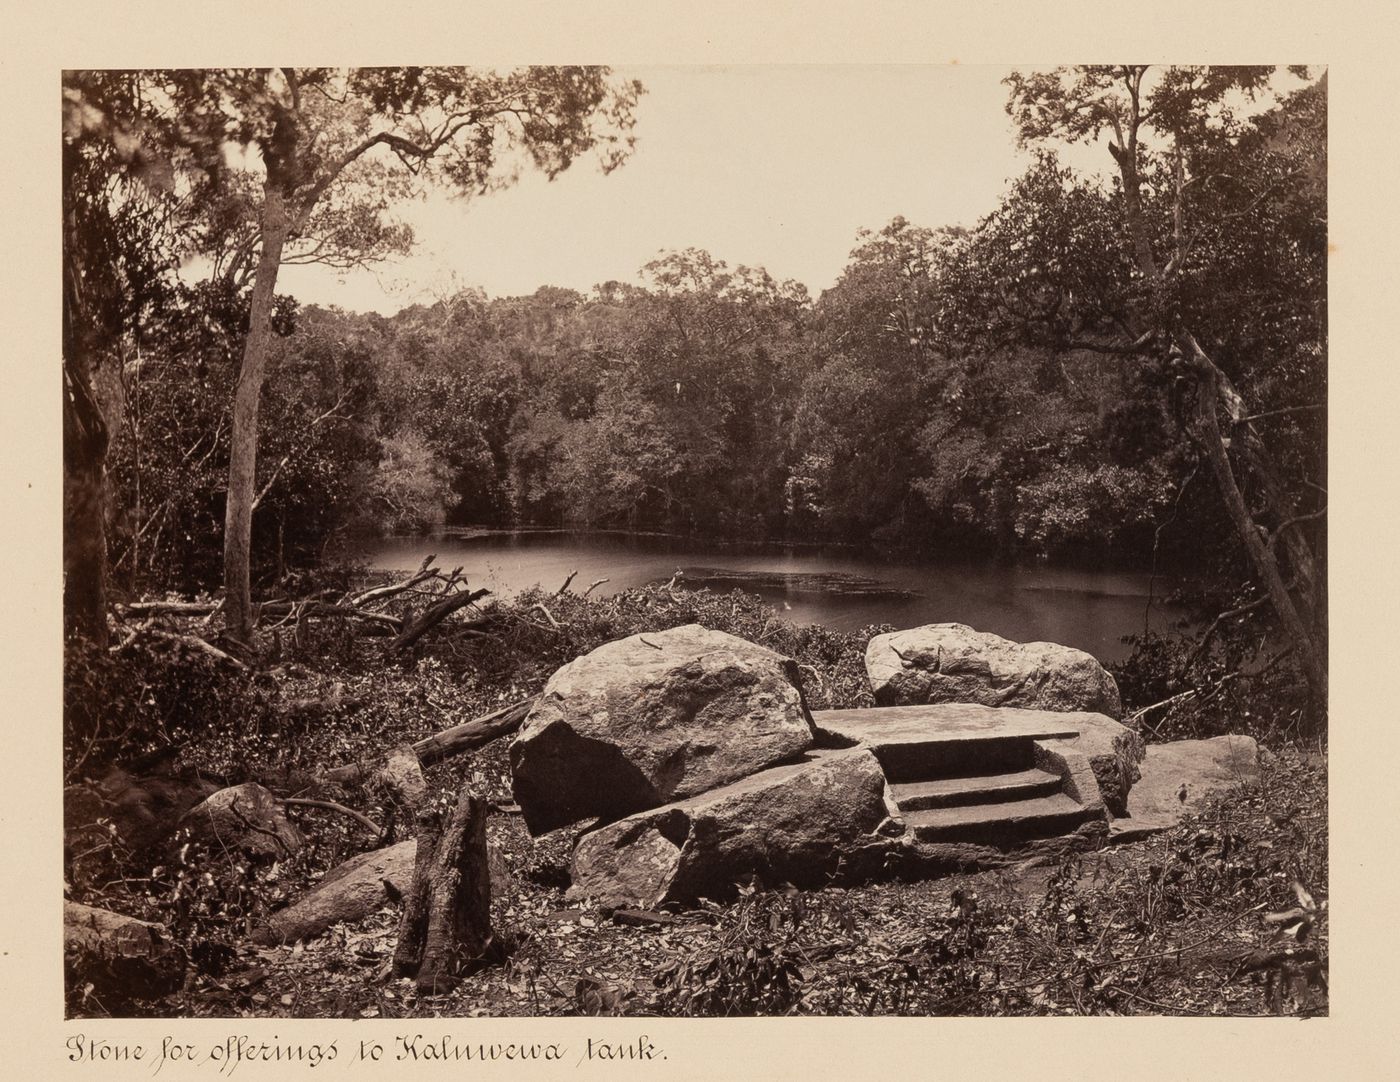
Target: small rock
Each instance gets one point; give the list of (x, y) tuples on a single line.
[(246, 818)]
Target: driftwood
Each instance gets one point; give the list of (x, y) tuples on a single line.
[(446, 922), (444, 745)]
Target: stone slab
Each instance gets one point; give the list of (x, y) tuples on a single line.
[(944, 723), (978, 789), (1057, 811), (1178, 776)]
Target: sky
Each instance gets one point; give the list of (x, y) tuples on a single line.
[(772, 166)]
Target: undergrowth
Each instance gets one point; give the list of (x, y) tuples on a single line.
[(1223, 914)]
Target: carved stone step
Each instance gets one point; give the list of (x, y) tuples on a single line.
[(1001, 823), (945, 740), (979, 789)]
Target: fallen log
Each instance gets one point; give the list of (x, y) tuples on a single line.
[(120, 956), (472, 734), (309, 608), (446, 744)]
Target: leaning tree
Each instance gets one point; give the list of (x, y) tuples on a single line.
[(309, 128), (1204, 256)]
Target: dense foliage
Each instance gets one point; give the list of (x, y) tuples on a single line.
[(954, 389), (709, 401)]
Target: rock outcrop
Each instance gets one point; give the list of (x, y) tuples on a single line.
[(244, 818), (798, 823), (121, 957), (940, 663), (652, 719)]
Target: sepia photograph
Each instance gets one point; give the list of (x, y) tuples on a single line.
[(693, 541)]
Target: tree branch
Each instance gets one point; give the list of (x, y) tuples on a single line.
[(331, 805)]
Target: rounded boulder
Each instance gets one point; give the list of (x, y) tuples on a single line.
[(952, 663), (655, 718)]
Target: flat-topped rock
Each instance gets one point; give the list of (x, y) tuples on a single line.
[(1177, 777), (940, 663), (652, 719), (941, 723)]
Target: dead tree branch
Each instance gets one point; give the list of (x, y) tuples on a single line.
[(331, 805), (432, 616), (448, 743)]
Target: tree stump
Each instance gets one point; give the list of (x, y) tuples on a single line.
[(446, 923)]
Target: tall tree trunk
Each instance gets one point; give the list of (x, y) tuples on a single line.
[(1214, 392), (84, 507), (243, 450), (85, 439), (1260, 550)]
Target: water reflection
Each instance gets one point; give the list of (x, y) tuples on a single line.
[(839, 587)]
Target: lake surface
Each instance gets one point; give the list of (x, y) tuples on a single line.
[(839, 587)]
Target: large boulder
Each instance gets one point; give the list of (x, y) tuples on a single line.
[(951, 663), (799, 823), (121, 957), (1114, 752), (652, 719), (243, 818), (1178, 776)]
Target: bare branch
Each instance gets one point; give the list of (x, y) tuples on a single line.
[(331, 805), (1281, 412)]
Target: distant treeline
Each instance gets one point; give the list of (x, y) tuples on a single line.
[(955, 389), (709, 401)]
